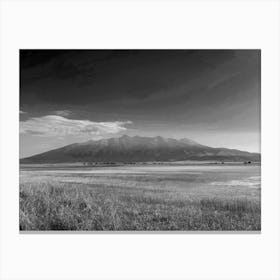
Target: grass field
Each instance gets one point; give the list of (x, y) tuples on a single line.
[(141, 198)]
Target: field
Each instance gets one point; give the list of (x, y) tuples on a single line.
[(178, 197)]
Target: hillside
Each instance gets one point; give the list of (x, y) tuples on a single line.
[(139, 149)]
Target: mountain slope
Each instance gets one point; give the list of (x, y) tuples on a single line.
[(139, 149)]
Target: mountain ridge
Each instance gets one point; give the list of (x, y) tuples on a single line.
[(139, 149)]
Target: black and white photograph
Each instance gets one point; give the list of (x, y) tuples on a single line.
[(140, 140)]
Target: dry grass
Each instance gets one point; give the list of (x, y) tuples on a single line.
[(58, 205)]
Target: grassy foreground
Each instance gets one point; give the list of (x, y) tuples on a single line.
[(72, 206)]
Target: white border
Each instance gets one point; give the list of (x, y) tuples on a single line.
[(153, 24)]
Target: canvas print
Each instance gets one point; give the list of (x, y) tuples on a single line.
[(140, 140)]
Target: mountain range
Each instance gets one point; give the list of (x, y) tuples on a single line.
[(139, 149)]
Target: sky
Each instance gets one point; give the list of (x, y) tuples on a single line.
[(69, 96)]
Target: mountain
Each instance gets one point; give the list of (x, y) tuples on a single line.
[(139, 149)]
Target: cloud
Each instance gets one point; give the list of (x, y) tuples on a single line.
[(58, 126), (63, 113)]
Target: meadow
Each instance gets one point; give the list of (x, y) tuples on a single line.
[(140, 198)]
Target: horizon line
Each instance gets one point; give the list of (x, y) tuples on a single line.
[(123, 135)]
